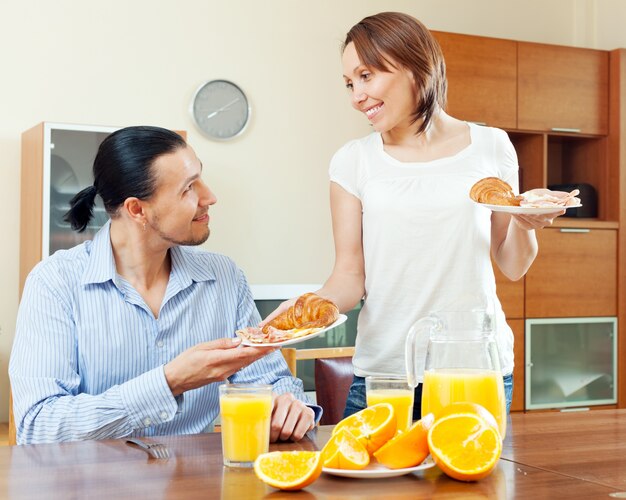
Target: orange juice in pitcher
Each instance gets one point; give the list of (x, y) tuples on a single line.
[(484, 387), (457, 354)]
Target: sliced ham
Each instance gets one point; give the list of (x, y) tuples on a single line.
[(546, 198)]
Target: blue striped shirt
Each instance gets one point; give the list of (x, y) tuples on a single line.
[(88, 356)]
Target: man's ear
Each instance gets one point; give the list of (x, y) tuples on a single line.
[(134, 209)]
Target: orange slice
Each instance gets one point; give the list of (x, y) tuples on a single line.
[(344, 451), (467, 407), (407, 449), (288, 470), (373, 426), (464, 446)]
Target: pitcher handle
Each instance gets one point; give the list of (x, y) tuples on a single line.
[(419, 328)]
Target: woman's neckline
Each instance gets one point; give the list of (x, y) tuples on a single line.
[(443, 159)]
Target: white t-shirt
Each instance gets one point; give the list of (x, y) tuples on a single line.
[(426, 243)]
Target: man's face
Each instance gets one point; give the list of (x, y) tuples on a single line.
[(178, 211)]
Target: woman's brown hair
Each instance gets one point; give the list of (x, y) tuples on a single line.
[(393, 38)]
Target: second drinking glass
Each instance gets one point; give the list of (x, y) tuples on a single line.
[(395, 391)]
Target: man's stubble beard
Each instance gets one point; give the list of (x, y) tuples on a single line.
[(189, 242)]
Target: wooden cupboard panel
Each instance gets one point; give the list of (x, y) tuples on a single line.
[(531, 152), (517, 325), (31, 201), (482, 78), (574, 275), (510, 293), (562, 87)]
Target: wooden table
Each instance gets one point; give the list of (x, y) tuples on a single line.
[(546, 455)]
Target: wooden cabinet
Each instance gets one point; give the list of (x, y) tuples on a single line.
[(554, 103), (482, 78), (548, 159), (562, 89), (510, 293), (574, 275), (56, 164), (517, 325)]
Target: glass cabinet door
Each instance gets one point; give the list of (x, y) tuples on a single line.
[(72, 153), (570, 362)]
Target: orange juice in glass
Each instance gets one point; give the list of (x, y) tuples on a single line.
[(245, 412), (484, 387), (396, 392)]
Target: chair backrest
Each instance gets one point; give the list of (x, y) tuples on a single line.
[(333, 377), (12, 436)]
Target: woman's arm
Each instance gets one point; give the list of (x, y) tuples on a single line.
[(514, 242), (346, 284)]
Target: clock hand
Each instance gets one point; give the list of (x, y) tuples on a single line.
[(219, 110)]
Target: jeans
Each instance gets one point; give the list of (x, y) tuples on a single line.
[(357, 400)]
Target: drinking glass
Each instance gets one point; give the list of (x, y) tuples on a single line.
[(395, 391), (246, 410)]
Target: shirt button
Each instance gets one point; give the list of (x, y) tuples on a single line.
[(147, 421), (163, 415), (160, 343)]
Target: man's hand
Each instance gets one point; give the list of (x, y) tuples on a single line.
[(291, 419), (209, 362)]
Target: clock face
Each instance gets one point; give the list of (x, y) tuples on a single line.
[(220, 109)]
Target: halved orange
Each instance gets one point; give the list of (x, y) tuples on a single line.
[(465, 446), (373, 426), (467, 407), (288, 470), (344, 451), (407, 449)]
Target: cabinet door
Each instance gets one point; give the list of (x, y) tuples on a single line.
[(562, 88), (510, 293), (517, 325), (482, 78), (574, 275)]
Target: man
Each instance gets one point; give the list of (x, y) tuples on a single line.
[(124, 335)]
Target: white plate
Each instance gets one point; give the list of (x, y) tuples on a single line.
[(377, 471), (526, 210), (340, 320)]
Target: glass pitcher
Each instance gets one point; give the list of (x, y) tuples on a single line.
[(459, 355)]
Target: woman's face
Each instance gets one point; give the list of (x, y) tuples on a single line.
[(387, 98)]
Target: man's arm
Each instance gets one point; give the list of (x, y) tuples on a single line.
[(46, 382)]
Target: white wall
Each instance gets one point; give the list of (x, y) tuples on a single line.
[(134, 62)]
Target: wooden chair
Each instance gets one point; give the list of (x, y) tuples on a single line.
[(333, 377)]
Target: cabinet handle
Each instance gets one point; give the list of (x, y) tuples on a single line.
[(482, 124), (564, 129), (574, 230)]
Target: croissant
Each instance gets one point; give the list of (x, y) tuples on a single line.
[(309, 311), (494, 191)]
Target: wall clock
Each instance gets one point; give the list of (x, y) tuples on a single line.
[(220, 109)]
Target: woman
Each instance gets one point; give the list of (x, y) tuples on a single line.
[(407, 236)]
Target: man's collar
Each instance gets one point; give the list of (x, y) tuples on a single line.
[(101, 264)]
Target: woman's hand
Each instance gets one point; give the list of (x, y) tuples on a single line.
[(280, 309), (530, 222), (291, 419)]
